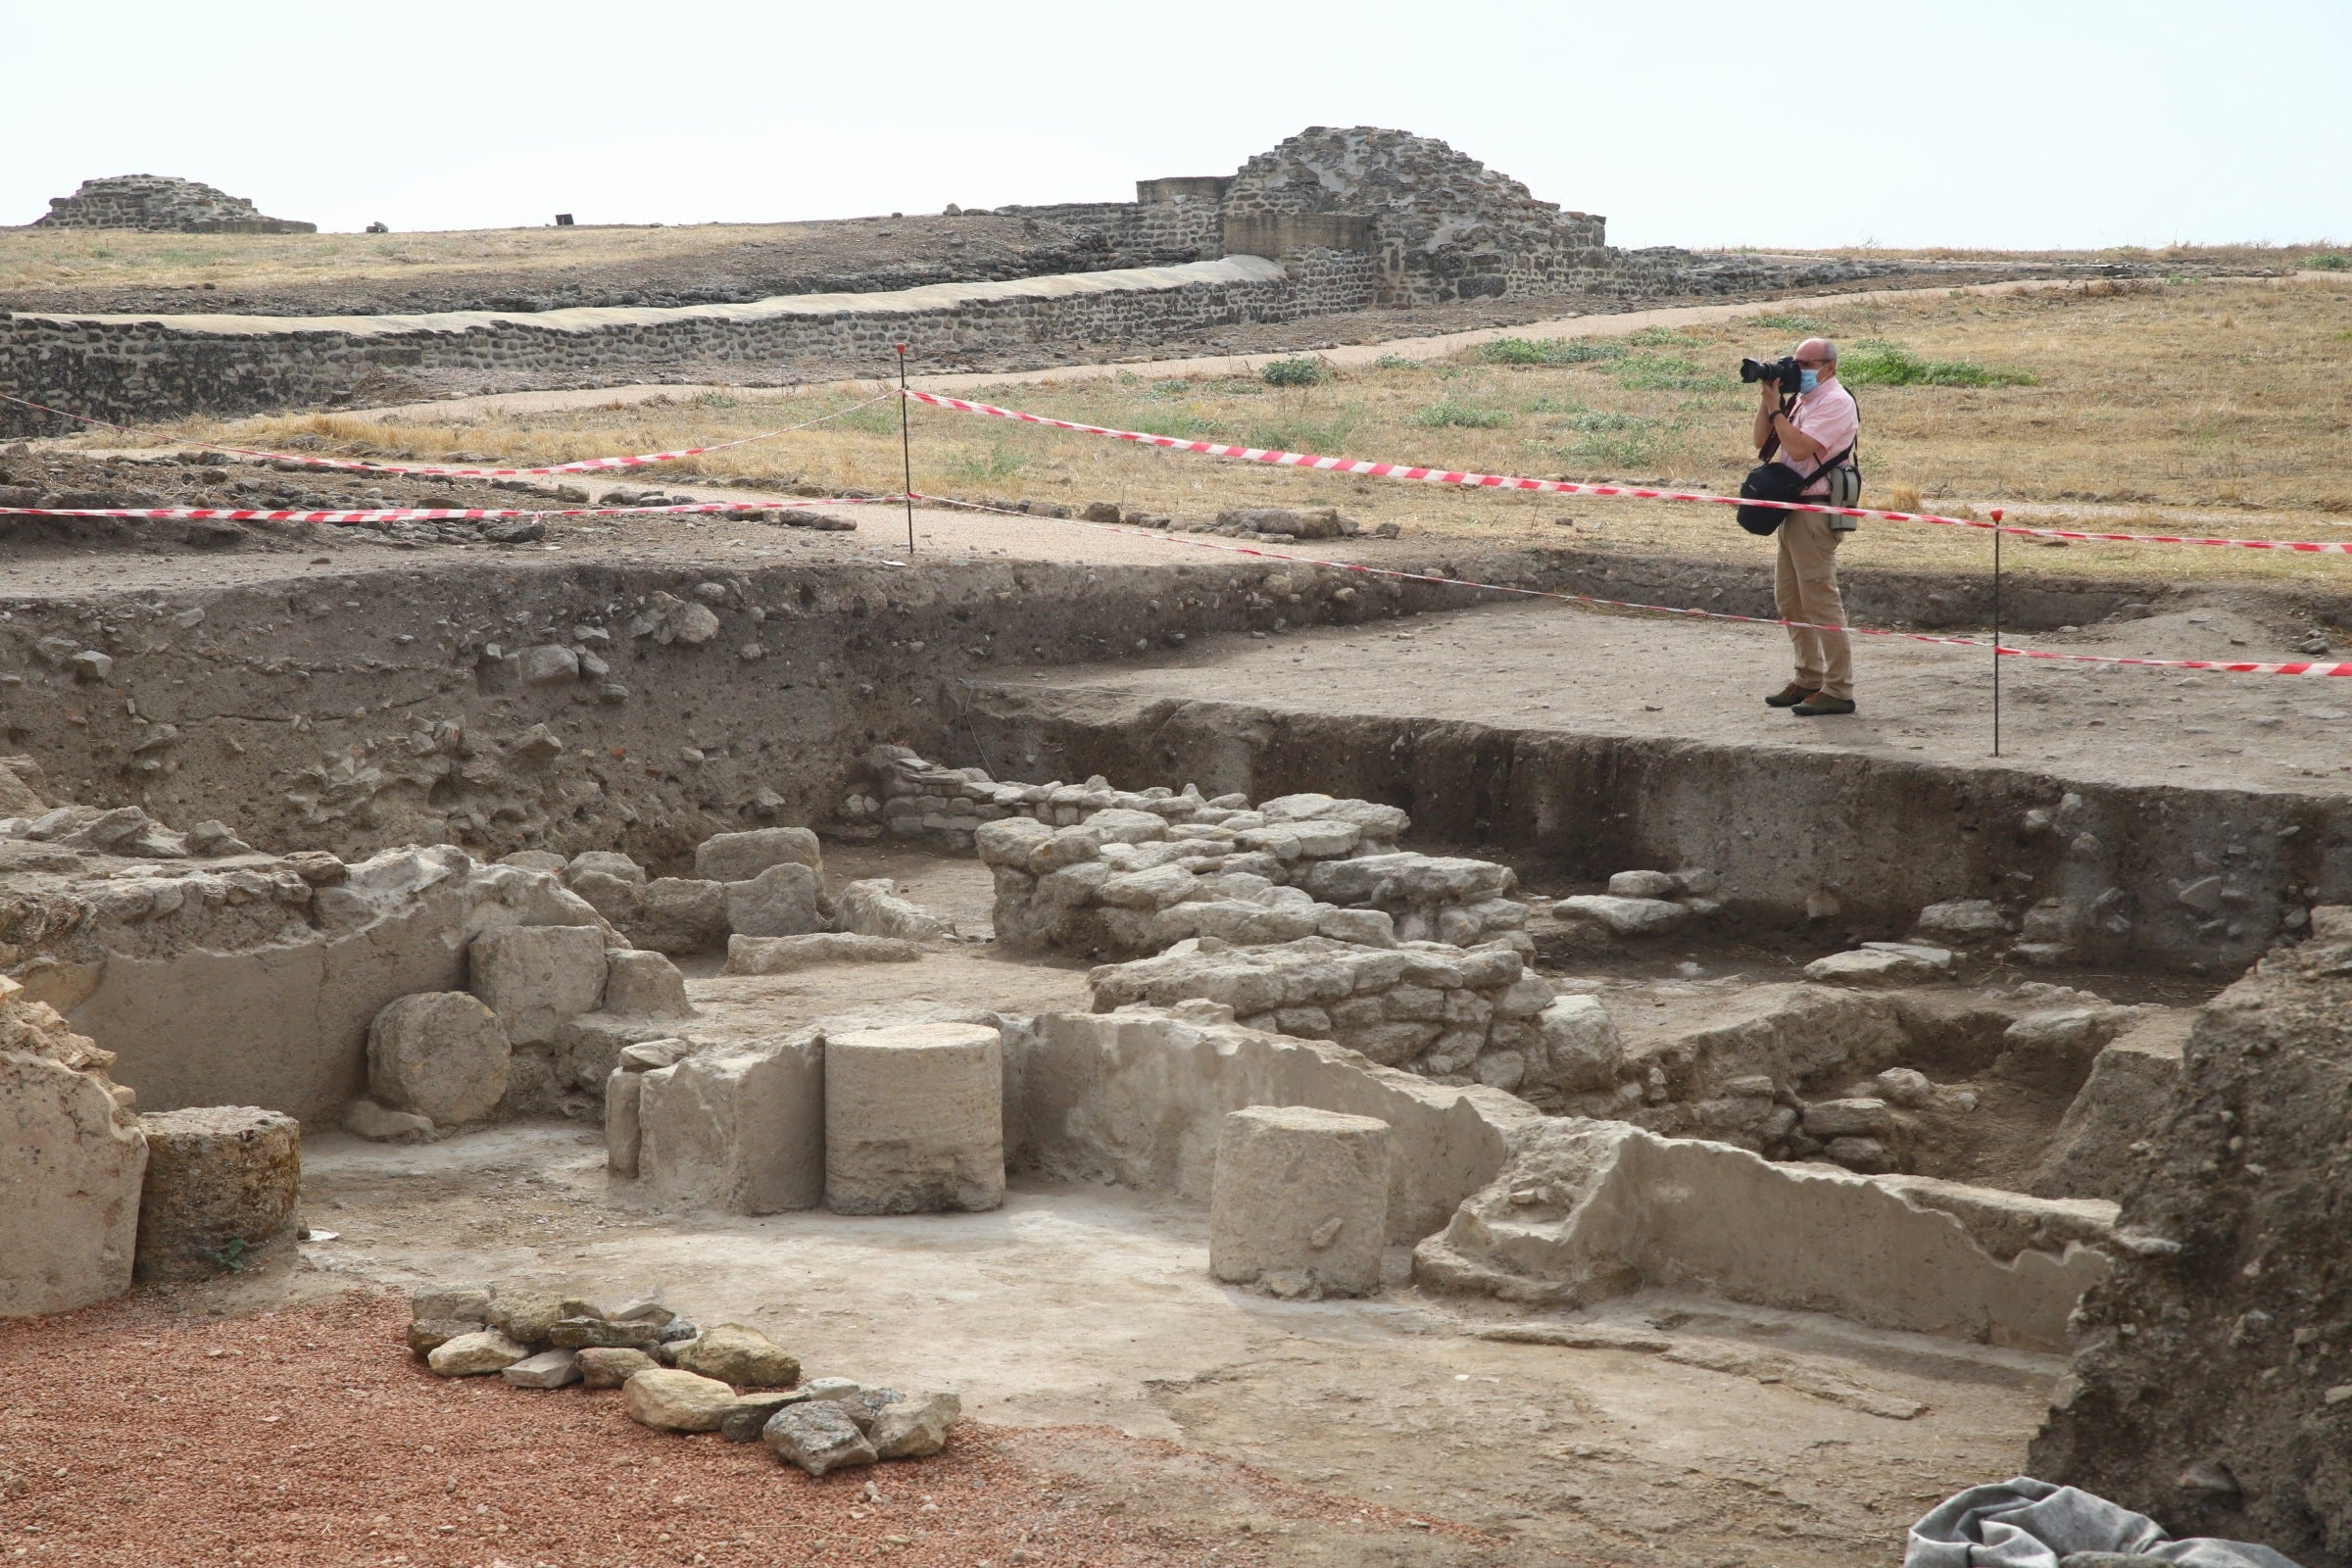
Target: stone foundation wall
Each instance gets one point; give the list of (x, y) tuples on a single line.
[(137, 367)]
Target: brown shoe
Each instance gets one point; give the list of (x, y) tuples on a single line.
[(1817, 705), (1789, 696)]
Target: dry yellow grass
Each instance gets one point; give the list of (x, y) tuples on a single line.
[(63, 257), (2193, 407)]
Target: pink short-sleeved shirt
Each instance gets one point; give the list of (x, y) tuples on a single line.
[(1828, 415)]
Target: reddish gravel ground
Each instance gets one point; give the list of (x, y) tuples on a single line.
[(144, 1433)]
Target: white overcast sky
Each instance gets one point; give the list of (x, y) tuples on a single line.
[(1996, 123)]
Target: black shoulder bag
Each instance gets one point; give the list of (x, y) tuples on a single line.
[(1777, 481)]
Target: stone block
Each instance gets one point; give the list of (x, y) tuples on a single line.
[(610, 1368), (741, 857), (1620, 916), (681, 914), (592, 1333), (427, 1335), (748, 1419), (1300, 1194), (873, 909), (1962, 922), (783, 955), (442, 1055), (740, 1129), (669, 1400), (1368, 928), (782, 901), (605, 863), (736, 1354), (222, 1191), (451, 1302), (70, 1165), (474, 1356), (818, 1435), (914, 1119), (588, 1048), (2124, 1100), (624, 1093), (537, 977), (381, 1124), (1881, 963), (548, 1369), (1643, 885), (916, 1427), (640, 982), (619, 900), (1581, 1048)]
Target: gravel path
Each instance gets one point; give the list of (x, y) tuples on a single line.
[(139, 1434)]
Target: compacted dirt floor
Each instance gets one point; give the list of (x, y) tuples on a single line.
[(1125, 1407)]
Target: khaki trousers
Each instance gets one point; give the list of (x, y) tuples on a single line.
[(1805, 588)]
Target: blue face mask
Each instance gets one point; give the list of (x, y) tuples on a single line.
[(1807, 381)]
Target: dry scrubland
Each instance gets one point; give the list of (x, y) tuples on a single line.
[(2211, 405), (32, 258), (37, 258)]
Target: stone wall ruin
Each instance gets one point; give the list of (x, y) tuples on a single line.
[(162, 204)]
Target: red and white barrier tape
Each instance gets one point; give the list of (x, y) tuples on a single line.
[(2000, 649), (582, 466), (424, 514), (1496, 481)]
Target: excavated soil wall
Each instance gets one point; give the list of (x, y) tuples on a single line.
[(2172, 876), (510, 705)]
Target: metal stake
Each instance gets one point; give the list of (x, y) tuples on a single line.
[(1997, 631), (906, 447)]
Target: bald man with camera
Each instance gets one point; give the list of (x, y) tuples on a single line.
[(1805, 433)]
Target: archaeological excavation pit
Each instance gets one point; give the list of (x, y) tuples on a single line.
[(619, 946), (755, 947)]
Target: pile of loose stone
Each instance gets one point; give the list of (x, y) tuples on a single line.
[(1123, 883), (675, 1376), (1118, 874)]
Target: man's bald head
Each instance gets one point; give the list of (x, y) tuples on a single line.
[(1818, 348)]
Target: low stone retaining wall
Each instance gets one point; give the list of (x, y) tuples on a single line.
[(151, 367)]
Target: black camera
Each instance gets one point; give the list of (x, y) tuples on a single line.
[(1782, 372)]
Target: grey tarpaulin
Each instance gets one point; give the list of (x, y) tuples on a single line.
[(2024, 1523)]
